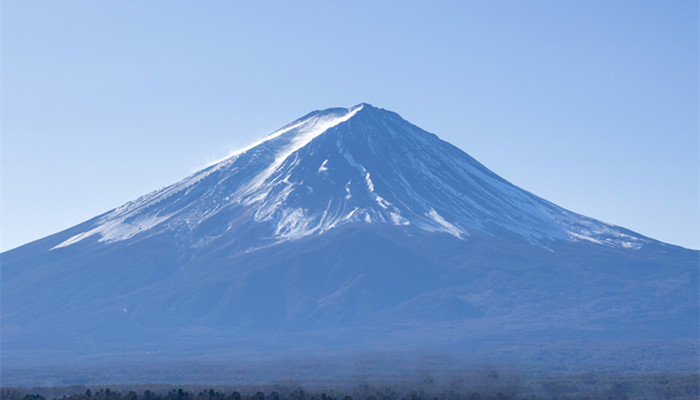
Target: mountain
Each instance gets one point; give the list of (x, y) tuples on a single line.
[(349, 229)]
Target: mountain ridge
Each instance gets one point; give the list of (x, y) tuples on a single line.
[(277, 148)]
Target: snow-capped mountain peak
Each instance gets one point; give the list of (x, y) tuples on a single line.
[(347, 165)]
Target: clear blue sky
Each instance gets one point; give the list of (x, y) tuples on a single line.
[(590, 104)]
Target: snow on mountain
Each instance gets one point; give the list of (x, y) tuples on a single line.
[(356, 165)]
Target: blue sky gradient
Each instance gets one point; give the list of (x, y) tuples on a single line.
[(592, 105)]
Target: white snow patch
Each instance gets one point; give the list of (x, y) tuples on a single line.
[(269, 137), (308, 130), (447, 227), (397, 219), (382, 203), (293, 224), (351, 213), (583, 237), (74, 239), (370, 185), (117, 230), (271, 204), (323, 167)]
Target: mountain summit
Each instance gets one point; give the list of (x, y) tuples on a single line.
[(354, 228), (340, 166)]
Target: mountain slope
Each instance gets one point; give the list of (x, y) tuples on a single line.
[(349, 165), (348, 228)]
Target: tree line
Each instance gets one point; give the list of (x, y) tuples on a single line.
[(211, 394)]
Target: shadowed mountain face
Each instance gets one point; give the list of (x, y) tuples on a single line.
[(346, 229)]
